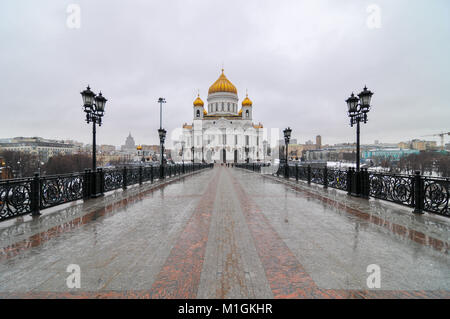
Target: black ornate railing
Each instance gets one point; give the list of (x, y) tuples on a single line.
[(256, 167), (30, 195), (423, 193)]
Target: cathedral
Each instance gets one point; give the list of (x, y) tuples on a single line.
[(222, 132)]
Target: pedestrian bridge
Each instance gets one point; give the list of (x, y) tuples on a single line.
[(226, 233)]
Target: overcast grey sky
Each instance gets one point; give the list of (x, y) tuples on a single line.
[(299, 61)]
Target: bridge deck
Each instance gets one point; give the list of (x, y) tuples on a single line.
[(228, 233)]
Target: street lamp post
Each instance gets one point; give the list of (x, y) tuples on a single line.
[(161, 100), (20, 169), (94, 107), (287, 137), (358, 113), (192, 150), (94, 113), (203, 158), (162, 136)]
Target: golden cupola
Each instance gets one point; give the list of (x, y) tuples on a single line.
[(198, 101), (247, 101), (222, 85)]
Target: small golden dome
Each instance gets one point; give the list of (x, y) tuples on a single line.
[(198, 101), (222, 85), (240, 112), (139, 148), (204, 112), (247, 101)]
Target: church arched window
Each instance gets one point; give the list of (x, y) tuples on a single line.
[(228, 107), (246, 113), (223, 106), (198, 113)]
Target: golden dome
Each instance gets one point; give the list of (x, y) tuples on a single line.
[(222, 85), (204, 112), (247, 101), (198, 101), (240, 112)]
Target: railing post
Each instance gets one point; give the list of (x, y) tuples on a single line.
[(151, 174), (419, 197), (161, 171), (309, 174), (365, 183), (296, 172), (99, 182), (35, 195), (325, 176), (124, 177), (87, 183), (349, 180), (140, 174)]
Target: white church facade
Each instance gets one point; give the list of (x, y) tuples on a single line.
[(221, 131)]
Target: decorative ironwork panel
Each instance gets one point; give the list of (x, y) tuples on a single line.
[(56, 190), (394, 188), (436, 194), (132, 176), (156, 172), (113, 179), (291, 171), (146, 174), (303, 173), (15, 198), (317, 175), (337, 179)]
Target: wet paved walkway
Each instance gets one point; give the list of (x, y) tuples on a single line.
[(228, 233)]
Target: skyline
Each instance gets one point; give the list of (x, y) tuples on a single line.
[(299, 62)]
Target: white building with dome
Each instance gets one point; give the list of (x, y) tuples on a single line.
[(222, 131)]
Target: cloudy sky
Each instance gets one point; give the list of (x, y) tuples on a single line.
[(299, 61)]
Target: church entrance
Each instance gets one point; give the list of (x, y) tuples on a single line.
[(209, 156), (224, 155)]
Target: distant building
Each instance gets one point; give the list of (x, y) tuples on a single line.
[(403, 145), (130, 145), (41, 147), (419, 145), (318, 142), (292, 141), (5, 172), (297, 151), (107, 149), (393, 154)]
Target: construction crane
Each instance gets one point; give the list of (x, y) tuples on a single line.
[(441, 135)]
